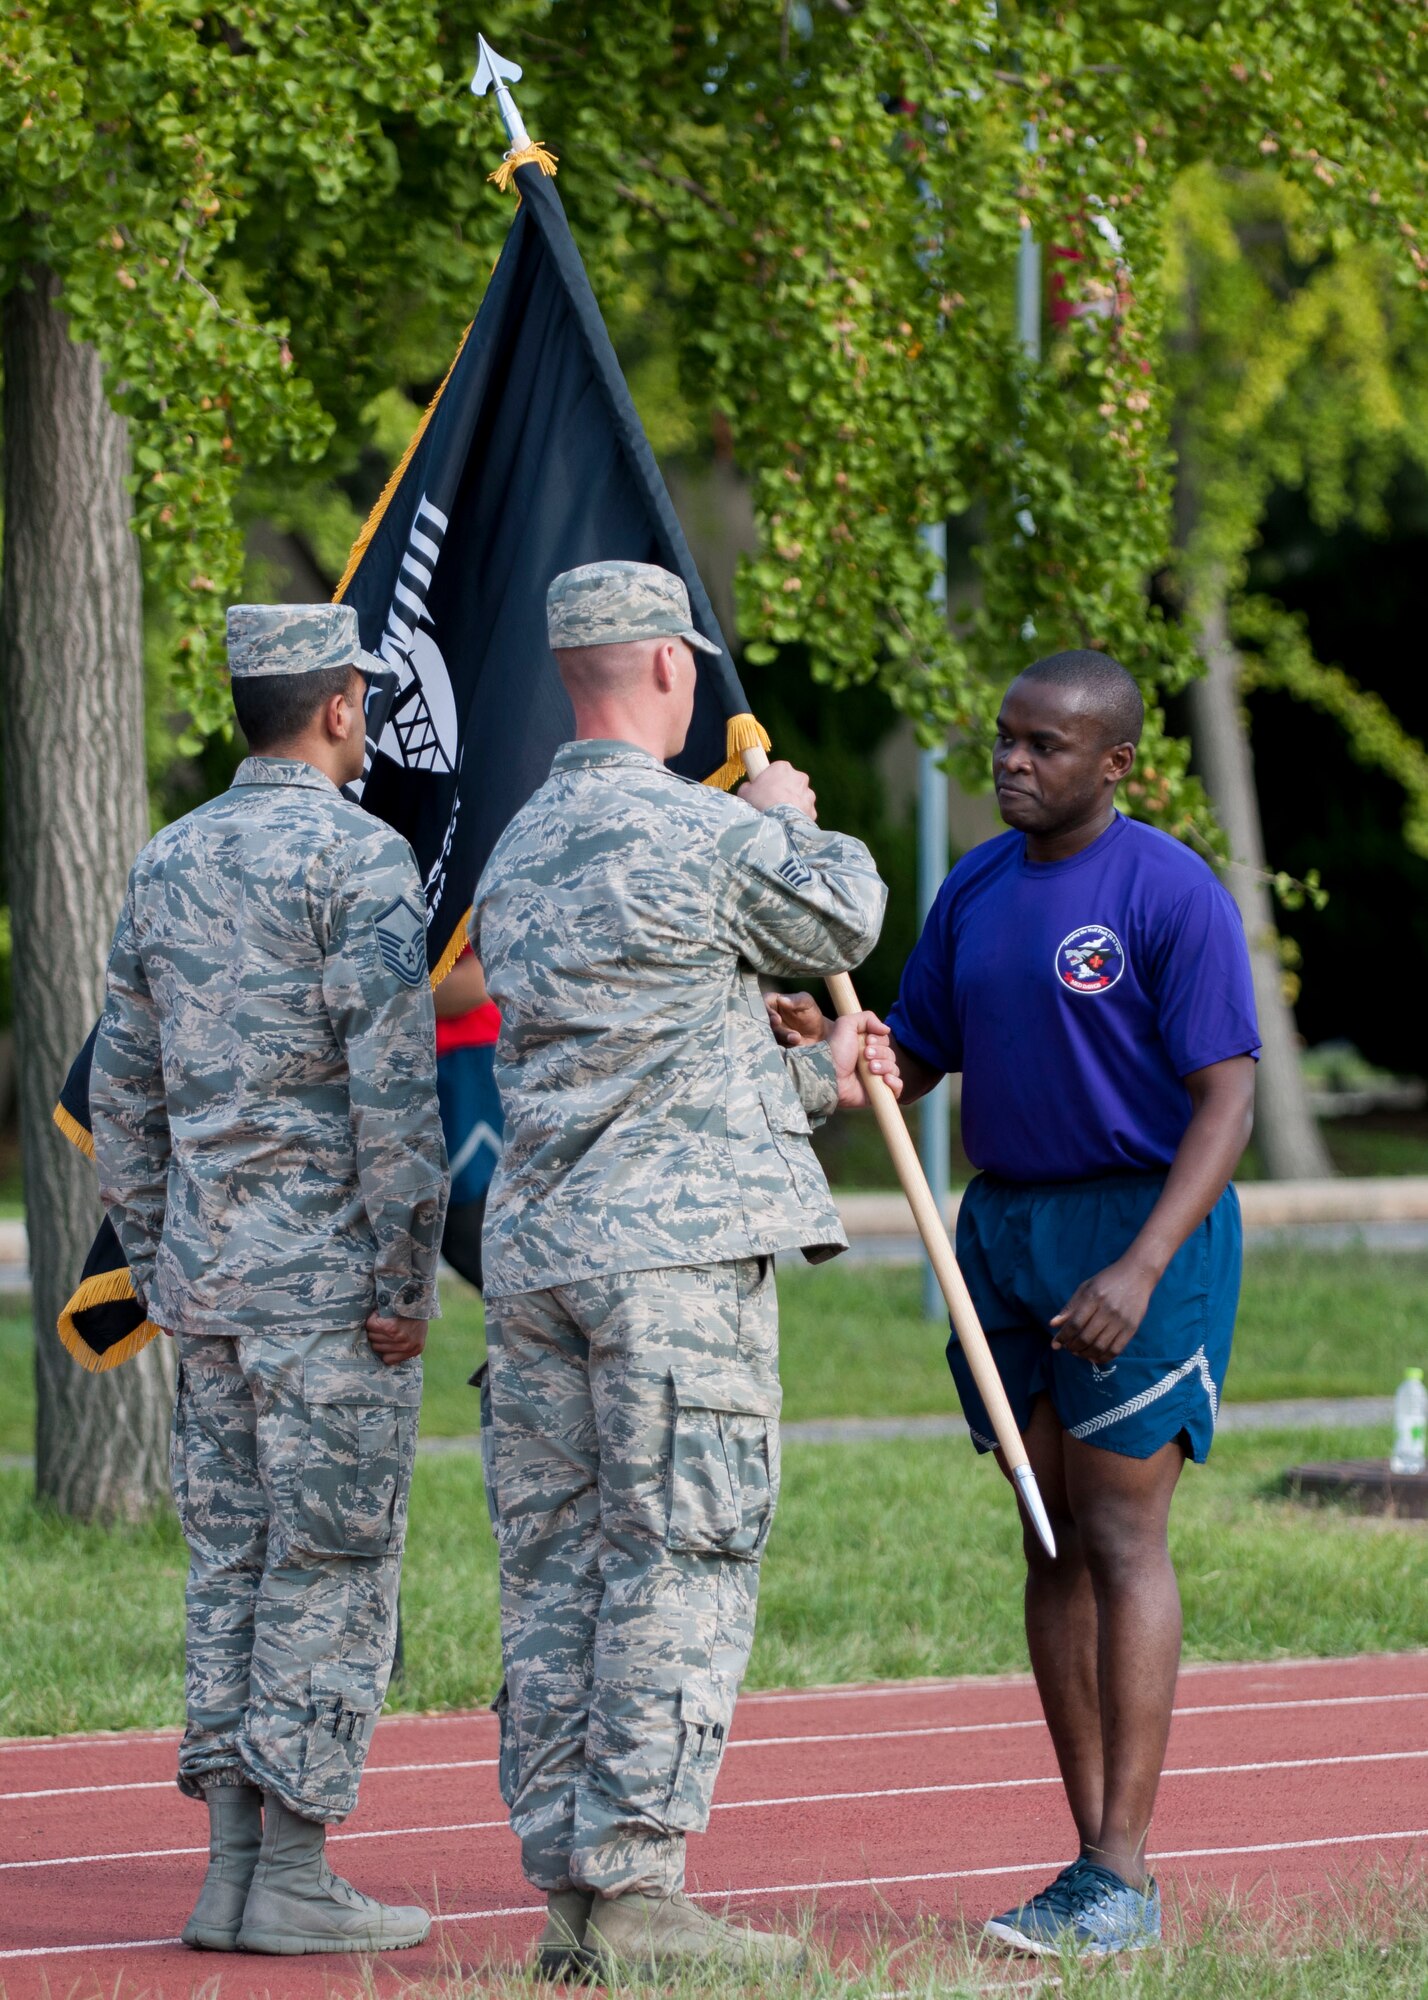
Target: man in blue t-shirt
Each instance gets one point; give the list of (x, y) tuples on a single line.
[(1089, 978)]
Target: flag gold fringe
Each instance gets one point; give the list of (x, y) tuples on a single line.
[(452, 953), (533, 155), (74, 1131), (742, 732), (106, 1288), (374, 519)]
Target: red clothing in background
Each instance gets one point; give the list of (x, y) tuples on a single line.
[(476, 1030)]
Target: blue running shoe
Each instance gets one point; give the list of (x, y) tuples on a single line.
[(1087, 1910)]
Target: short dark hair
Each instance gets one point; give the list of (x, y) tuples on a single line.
[(1103, 683), (274, 708)]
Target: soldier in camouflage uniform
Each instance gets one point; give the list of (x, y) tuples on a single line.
[(656, 1158), (270, 1152)]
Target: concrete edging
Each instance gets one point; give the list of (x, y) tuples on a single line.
[(1264, 1204)]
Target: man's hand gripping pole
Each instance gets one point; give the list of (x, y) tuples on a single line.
[(933, 1231)]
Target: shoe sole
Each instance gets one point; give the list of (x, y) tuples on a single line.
[(1015, 1940), (564, 1961), (605, 1964), (291, 1944), (198, 1939)]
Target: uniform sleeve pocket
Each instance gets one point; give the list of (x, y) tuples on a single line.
[(345, 1701), (482, 1378), (706, 1709), (724, 1467), (353, 1486)]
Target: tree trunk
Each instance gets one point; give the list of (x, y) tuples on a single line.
[(76, 813), (1289, 1142)]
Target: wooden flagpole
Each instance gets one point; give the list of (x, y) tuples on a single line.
[(933, 1231)]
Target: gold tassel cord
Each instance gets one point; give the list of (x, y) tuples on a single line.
[(741, 733), (453, 951), (74, 1131), (533, 155), (107, 1288), (374, 519)]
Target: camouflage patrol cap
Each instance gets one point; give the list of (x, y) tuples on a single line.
[(295, 639), (613, 603)]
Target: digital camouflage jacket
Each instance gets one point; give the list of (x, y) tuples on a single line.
[(651, 1119), (264, 1086)]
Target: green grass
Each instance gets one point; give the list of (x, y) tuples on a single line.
[(1369, 1943), (854, 1342), (1312, 1323), (1379, 1142), (887, 1560)]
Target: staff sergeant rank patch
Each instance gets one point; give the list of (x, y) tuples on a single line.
[(795, 871), (401, 938)]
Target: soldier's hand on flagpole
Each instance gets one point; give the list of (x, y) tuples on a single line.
[(854, 1035), (393, 1340), (778, 784), (797, 1019)]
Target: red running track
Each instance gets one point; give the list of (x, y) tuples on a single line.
[(885, 1804)]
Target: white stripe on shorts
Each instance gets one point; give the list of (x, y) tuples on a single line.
[(1135, 1404)]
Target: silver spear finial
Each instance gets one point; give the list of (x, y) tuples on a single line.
[(494, 72)]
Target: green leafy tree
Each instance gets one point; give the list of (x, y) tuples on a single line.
[(255, 218), (1296, 358), (217, 229)]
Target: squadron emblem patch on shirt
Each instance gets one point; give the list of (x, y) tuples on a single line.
[(1090, 960), (401, 938)]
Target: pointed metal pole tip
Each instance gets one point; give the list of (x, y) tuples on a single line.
[(1035, 1506), (493, 72)]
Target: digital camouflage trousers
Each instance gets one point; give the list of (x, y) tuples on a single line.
[(291, 1465), (632, 1465)]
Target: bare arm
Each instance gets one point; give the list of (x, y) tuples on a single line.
[(1102, 1315), (463, 988)]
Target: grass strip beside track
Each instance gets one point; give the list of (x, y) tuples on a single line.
[(1312, 1323), (887, 1561)]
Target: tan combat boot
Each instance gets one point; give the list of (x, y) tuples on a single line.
[(235, 1834), (653, 1934), (296, 1904), (560, 1948)]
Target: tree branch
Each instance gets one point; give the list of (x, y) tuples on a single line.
[(687, 186)]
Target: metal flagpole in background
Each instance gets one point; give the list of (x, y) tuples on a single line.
[(935, 1122)]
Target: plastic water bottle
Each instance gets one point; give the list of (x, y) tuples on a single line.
[(1410, 1420)]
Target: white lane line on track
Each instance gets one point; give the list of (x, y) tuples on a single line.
[(817, 1888), (788, 1742), (1039, 1867), (168, 1785), (1036, 1722), (748, 1805), (104, 1739)]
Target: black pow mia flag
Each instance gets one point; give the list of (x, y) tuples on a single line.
[(530, 461)]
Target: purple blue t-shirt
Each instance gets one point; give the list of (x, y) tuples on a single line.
[(1074, 996)]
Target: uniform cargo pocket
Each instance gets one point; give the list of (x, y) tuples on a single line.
[(507, 1769), (785, 1112), (356, 1474), (344, 1700), (178, 1452), (704, 1717), (724, 1467), (488, 1444), (790, 1131)]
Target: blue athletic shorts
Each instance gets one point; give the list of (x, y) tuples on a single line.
[(1024, 1248)]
